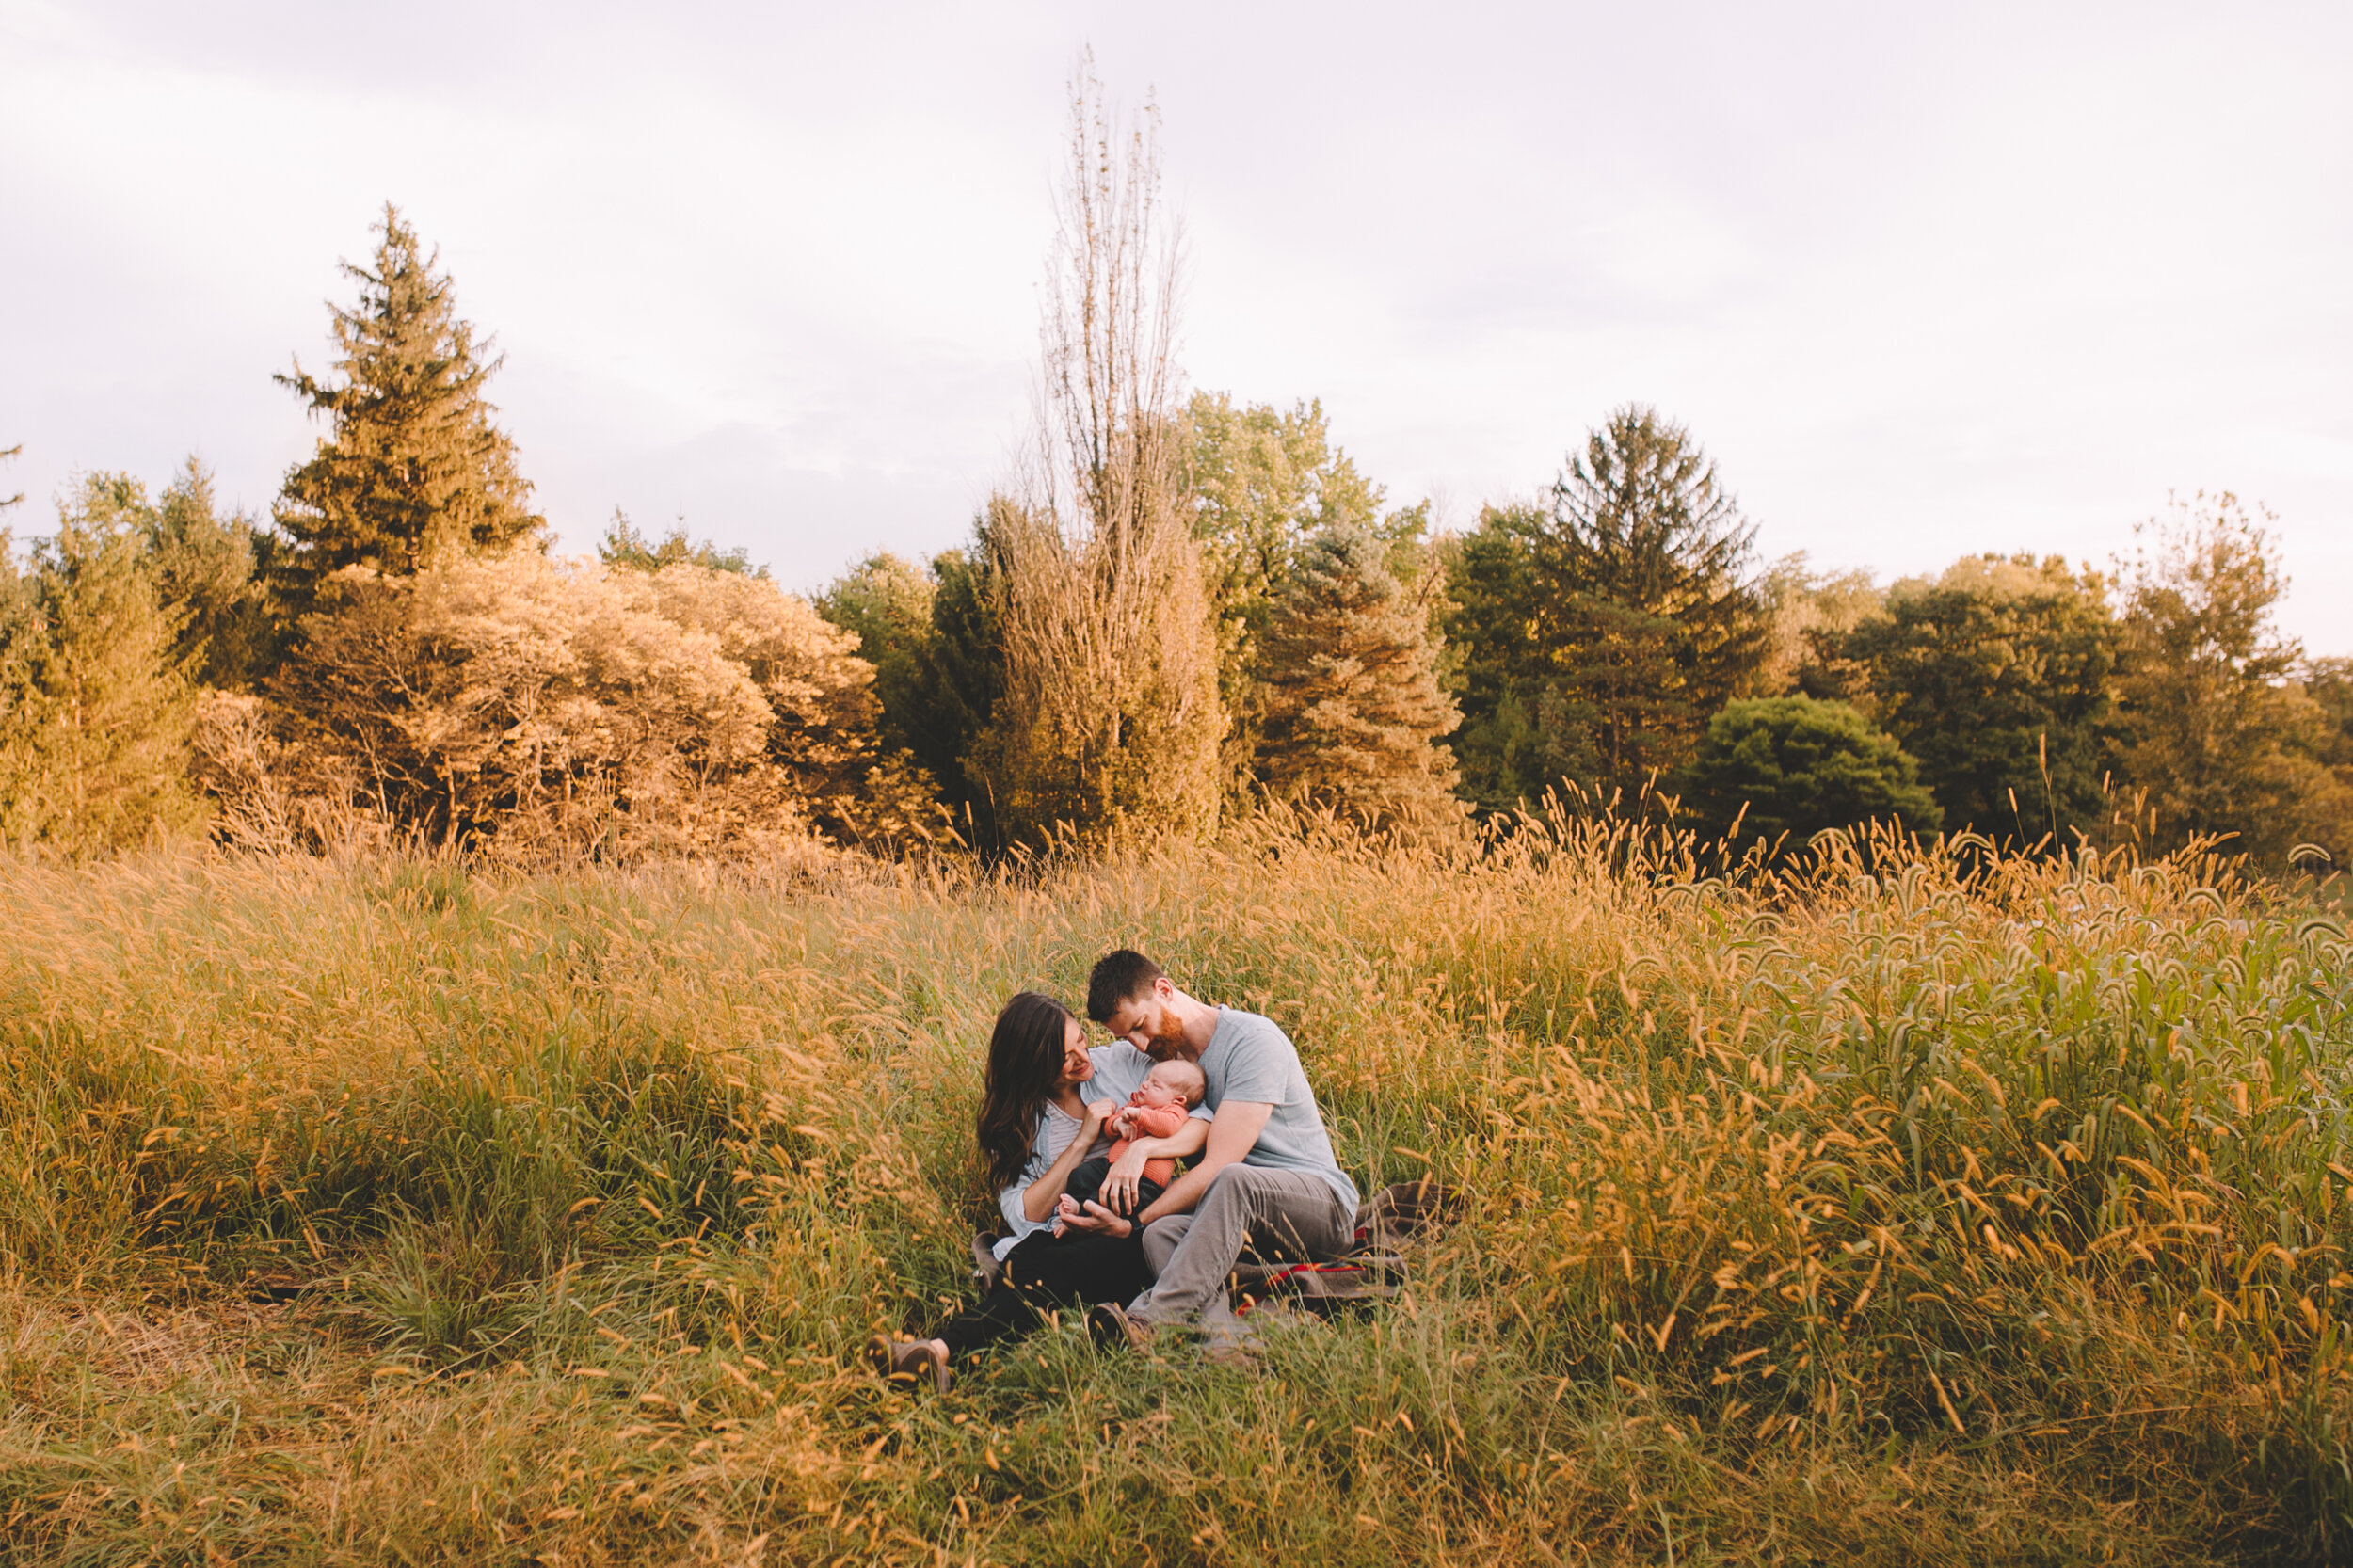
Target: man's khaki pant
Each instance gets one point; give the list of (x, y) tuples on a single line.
[(1279, 1215)]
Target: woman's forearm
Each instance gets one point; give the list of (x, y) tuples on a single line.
[(1037, 1199)]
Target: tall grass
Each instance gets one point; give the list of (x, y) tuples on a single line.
[(1923, 1206)]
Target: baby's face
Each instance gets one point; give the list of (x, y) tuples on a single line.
[(1156, 1091)]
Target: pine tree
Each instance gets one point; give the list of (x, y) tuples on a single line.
[(1646, 572), (1260, 481), (1601, 632), (624, 545), (412, 468), (205, 566), (1353, 710)]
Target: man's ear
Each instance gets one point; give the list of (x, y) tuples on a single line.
[(1165, 988)]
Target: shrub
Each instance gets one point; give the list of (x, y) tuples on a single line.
[(1792, 765)]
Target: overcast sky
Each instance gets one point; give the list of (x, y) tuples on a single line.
[(1925, 281)]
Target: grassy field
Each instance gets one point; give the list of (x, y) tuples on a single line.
[(1963, 1211)]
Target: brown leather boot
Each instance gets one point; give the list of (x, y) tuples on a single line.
[(907, 1360), (1113, 1327)]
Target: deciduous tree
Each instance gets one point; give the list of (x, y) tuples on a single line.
[(513, 699), (1791, 766), (1810, 613), (2216, 734), (886, 601), (1997, 676), (936, 639)]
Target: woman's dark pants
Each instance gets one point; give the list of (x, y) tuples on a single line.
[(1047, 1274)]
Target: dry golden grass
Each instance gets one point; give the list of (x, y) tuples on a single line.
[(1920, 1208)]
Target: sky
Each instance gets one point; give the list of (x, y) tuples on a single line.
[(1923, 281)]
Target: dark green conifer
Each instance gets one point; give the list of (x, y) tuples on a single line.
[(1598, 633)]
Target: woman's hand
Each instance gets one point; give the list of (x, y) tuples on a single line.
[(1039, 1198), (1099, 1221)]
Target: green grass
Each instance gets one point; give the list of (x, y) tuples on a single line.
[(1947, 1211)]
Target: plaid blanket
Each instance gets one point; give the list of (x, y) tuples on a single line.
[(1390, 1226)]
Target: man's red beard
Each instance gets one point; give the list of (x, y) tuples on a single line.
[(1168, 1040)]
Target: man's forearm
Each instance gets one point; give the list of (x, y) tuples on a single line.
[(1183, 1143), (1183, 1193), (1226, 1142)]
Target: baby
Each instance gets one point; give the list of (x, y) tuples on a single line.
[(1156, 1110)]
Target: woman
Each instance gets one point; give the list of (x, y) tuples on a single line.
[(1035, 1127)]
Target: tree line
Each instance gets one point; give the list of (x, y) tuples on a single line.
[(1175, 607)]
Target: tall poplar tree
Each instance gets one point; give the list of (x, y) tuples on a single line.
[(1109, 719), (413, 465), (1353, 709)]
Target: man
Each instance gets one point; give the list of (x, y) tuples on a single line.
[(1266, 1179)]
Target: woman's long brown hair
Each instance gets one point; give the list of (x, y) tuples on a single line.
[(1025, 1060)]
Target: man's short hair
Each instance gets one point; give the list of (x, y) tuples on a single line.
[(1119, 977)]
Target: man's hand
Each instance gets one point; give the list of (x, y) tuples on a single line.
[(1119, 1190), (1098, 1221)]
